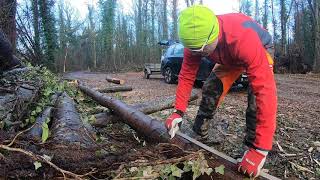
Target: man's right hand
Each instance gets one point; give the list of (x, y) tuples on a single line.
[(173, 123)]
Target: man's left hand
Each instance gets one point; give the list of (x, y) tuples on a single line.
[(252, 162)]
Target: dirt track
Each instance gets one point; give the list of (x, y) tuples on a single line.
[(297, 140)]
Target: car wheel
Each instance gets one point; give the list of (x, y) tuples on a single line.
[(168, 76)]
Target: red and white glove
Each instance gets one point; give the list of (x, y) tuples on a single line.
[(252, 162), (173, 123)]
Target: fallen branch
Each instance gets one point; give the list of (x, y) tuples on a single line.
[(114, 80), (115, 89)]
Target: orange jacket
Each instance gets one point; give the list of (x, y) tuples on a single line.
[(242, 42)]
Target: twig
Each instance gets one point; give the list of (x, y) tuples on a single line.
[(316, 161), (301, 168), (14, 139), (284, 153)]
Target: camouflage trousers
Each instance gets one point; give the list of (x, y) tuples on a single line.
[(215, 89)]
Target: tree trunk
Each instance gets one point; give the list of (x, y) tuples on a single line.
[(174, 35), (103, 119), (8, 10), (316, 61), (187, 3), (256, 12), (36, 28), (265, 16), (48, 25), (165, 19)]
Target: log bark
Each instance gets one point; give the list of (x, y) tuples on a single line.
[(67, 127), (103, 119), (115, 89), (35, 132), (155, 131), (152, 129), (115, 80)]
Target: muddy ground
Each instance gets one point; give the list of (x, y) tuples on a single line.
[(296, 149)]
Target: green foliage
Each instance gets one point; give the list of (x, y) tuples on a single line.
[(318, 172), (219, 169), (37, 165), (198, 166), (51, 84), (45, 130)]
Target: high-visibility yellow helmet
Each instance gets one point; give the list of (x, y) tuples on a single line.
[(195, 25)]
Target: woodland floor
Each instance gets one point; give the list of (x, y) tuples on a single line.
[(296, 149)]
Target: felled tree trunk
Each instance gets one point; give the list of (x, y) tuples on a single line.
[(152, 129), (15, 101), (115, 80), (103, 119), (67, 127), (115, 89)]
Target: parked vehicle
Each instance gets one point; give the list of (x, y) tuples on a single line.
[(171, 61)]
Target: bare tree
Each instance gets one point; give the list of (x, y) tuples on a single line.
[(174, 34), (265, 16), (189, 2), (36, 29), (256, 11), (314, 6), (165, 20), (284, 20)]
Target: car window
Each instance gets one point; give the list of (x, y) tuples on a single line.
[(178, 50), (169, 52)]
